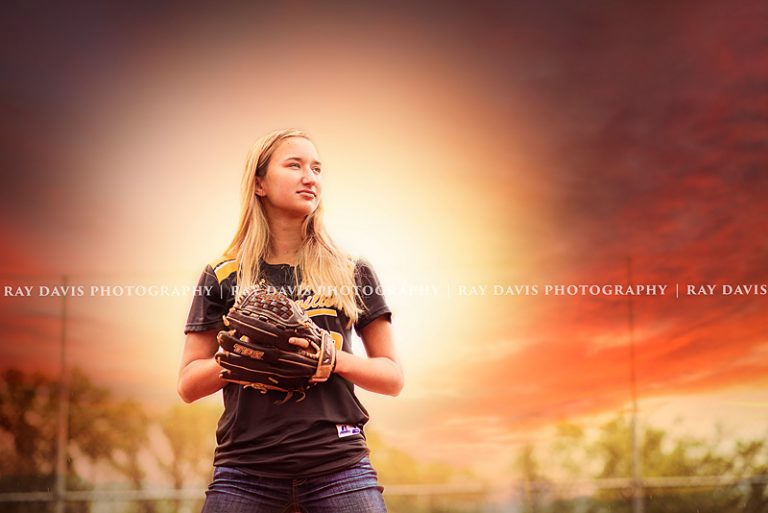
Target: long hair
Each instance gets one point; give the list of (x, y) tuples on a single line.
[(322, 266)]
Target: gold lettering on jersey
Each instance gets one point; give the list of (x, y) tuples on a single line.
[(315, 301), (322, 311)]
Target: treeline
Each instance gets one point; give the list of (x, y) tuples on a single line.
[(599, 456), (173, 448), (104, 434)]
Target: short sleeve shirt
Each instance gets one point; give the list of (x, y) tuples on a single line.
[(323, 432)]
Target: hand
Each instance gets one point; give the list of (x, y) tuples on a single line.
[(299, 342)]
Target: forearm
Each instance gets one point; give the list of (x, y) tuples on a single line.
[(199, 378), (377, 374)]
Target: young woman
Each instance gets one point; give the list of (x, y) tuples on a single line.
[(298, 456)]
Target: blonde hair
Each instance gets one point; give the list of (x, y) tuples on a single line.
[(324, 268)]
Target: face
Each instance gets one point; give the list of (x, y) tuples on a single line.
[(292, 184)]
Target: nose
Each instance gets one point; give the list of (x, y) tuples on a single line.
[(308, 176)]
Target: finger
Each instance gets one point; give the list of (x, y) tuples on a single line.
[(300, 342)]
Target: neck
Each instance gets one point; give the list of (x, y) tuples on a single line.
[(285, 240)]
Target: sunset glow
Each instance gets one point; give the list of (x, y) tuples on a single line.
[(543, 155)]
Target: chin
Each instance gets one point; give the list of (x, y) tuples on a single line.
[(304, 211)]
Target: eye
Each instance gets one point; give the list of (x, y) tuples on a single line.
[(294, 165), (317, 170)]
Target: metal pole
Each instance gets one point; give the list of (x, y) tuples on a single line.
[(63, 421), (637, 486)]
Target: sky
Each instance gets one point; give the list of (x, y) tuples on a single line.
[(489, 144)]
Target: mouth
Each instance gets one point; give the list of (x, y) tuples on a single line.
[(307, 193)]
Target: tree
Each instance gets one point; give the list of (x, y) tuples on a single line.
[(190, 432), (395, 466), (27, 416), (533, 484), (101, 428), (663, 456), (28, 408)]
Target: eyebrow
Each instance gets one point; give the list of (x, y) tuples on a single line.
[(293, 157)]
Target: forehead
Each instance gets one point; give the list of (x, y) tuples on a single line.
[(296, 147)]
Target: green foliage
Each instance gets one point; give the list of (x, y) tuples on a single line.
[(397, 467), (664, 456), (569, 444), (101, 428), (104, 428), (190, 430), (27, 419), (609, 452), (526, 465)]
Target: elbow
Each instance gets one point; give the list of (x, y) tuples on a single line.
[(397, 384), (184, 392)]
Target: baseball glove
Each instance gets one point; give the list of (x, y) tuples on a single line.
[(256, 351)]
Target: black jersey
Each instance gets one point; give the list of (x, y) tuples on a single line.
[(322, 433)]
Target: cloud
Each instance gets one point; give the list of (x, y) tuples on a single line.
[(619, 131)]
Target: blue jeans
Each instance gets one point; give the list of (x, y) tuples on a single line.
[(351, 490)]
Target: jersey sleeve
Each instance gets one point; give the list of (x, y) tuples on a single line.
[(371, 295), (209, 304)]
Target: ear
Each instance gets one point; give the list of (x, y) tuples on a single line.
[(259, 189)]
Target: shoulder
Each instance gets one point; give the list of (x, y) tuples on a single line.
[(215, 297), (222, 268), (360, 264), (364, 272), (371, 295)]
